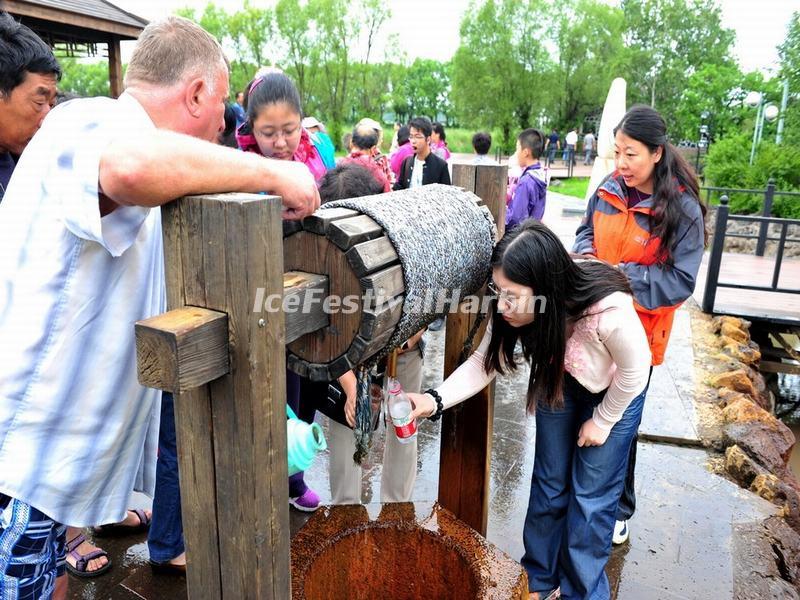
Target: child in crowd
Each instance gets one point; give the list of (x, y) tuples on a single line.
[(398, 474), (529, 196), (274, 129)]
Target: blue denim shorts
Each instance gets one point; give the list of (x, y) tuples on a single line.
[(33, 551)]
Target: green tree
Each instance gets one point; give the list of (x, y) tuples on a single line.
[(84, 79), (501, 69), (300, 57), (591, 52), (427, 87), (789, 52), (668, 41), (335, 31), (719, 91)]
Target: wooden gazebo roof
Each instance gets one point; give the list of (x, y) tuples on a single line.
[(76, 27)]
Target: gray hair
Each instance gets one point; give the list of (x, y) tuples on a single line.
[(173, 49)]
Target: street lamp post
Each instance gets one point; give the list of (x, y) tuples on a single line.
[(702, 142), (765, 111)]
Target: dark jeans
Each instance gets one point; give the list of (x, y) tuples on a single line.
[(551, 154), (165, 538), (574, 496)]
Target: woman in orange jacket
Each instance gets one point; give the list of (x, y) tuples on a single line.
[(647, 218)]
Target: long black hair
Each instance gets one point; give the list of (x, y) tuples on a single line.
[(646, 125), (533, 256)]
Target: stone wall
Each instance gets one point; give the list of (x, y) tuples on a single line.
[(756, 444)]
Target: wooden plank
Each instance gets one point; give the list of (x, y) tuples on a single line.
[(319, 221), (362, 348), (303, 303), (248, 421), (786, 345), (465, 458), (195, 440), (114, 67), (491, 182), (380, 287), (372, 255), (464, 176), (768, 366), (311, 253), (182, 349), (775, 307), (375, 321), (291, 227), (346, 233)]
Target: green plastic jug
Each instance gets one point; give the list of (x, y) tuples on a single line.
[(303, 442)]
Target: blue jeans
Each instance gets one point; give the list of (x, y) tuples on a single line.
[(574, 496), (165, 538)]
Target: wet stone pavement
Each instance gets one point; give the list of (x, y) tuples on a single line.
[(682, 536)]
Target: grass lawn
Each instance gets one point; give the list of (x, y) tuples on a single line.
[(575, 186)]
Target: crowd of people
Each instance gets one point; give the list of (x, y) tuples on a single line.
[(81, 259)]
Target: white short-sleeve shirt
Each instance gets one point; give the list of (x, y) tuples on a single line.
[(77, 431)]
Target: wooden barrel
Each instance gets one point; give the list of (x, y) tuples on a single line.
[(367, 282)]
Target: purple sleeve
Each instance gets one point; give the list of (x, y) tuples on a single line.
[(518, 208), (536, 201)]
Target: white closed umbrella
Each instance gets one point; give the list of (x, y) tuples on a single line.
[(613, 111)]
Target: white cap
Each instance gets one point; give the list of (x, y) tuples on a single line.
[(310, 122)]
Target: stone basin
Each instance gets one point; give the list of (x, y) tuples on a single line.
[(402, 551)]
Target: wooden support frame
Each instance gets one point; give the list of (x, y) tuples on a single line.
[(114, 67), (232, 431), (466, 441)]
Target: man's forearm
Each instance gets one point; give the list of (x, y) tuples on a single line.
[(161, 166)]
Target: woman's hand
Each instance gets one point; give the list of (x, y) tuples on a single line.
[(591, 435), (412, 342), (349, 385), (424, 405)]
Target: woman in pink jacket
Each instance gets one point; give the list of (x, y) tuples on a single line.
[(590, 363), (273, 127)]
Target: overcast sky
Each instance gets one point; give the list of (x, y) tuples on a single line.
[(429, 28)]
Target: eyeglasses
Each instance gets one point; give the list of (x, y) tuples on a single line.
[(416, 136), (512, 301), (274, 135)]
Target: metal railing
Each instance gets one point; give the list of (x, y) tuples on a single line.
[(769, 194), (718, 244)]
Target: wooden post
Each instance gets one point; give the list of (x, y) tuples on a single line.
[(114, 67), (232, 432), (467, 428)]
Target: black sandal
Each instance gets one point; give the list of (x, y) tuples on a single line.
[(118, 529)]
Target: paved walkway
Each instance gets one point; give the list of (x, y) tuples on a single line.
[(681, 536)]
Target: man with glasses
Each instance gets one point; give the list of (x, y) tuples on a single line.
[(424, 167)]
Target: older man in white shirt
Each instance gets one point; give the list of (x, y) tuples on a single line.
[(80, 261)]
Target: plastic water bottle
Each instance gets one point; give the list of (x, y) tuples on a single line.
[(400, 410)]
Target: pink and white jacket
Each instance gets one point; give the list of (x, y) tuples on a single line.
[(607, 350)]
